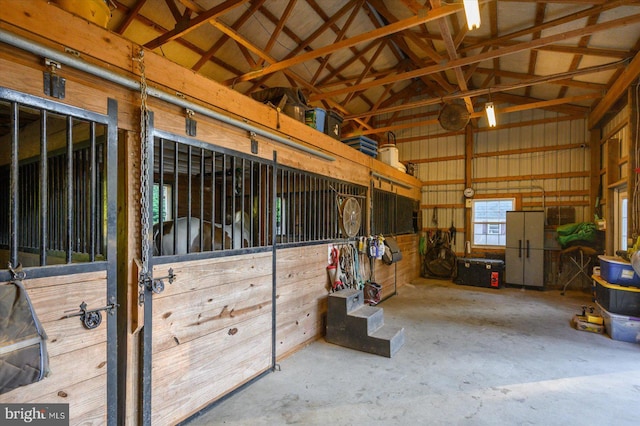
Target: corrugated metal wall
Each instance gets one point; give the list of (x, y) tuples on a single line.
[(539, 155)]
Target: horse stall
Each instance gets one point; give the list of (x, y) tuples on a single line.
[(174, 248), (57, 217), (218, 224)]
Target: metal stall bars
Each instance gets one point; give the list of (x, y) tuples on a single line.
[(58, 211)]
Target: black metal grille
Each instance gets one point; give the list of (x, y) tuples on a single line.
[(239, 202), (52, 211), (393, 214), (308, 206)]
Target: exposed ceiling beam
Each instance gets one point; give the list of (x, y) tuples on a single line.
[(485, 91), (617, 89), (551, 24), (361, 38), (453, 54), (443, 85), (279, 26), (146, 21), (339, 37), (182, 28), (478, 114), (224, 38), (565, 108), (327, 23), (130, 16), (522, 76), (488, 55), (585, 51)]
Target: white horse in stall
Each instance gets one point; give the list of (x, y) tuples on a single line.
[(239, 232)]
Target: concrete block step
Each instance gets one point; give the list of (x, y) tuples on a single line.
[(352, 324), (390, 340), (341, 303), (386, 341), (366, 319), (350, 298)]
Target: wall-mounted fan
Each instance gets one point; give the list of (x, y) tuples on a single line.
[(351, 216), (453, 117)]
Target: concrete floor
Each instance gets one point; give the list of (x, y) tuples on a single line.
[(472, 356)]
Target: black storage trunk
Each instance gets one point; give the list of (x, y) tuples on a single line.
[(480, 272), (333, 125), (618, 300)]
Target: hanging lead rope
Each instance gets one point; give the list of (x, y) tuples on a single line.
[(144, 178)]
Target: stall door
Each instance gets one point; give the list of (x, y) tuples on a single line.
[(57, 232), (208, 303)]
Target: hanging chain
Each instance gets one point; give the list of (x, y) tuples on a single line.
[(144, 178)]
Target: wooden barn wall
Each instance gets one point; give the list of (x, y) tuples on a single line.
[(302, 287), (184, 343), (77, 356), (211, 332), (615, 168)]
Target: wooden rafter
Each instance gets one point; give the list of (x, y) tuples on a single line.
[(449, 44), (339, 37), (533, 54), (523, 76), (551, 24), (577, 58), (365, 71), (328, 24), (222, 40), (130, 16), (183, 28), (278, 29), (146, 21), (491, 54), (485, 91), (417, 62), (352, 41), (615, 91), (403, 58), (478, 114)]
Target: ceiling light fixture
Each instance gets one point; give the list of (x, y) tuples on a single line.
[(472, 12), (491, 113)]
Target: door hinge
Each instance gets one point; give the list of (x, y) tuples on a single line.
[(54, 85)]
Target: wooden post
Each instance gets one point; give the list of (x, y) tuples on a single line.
[(468, 173), (633, 222)]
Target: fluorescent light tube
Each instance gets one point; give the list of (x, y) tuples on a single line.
[(472, 12), (491, 114)]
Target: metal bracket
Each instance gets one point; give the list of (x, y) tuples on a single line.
[(53, 84), (72, 52), (92, 318), (254, 142), (17, 274), (190, 123)]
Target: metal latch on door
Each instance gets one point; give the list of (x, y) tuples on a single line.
[(155, 285), (92, 318)]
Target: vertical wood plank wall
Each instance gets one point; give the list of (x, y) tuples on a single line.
[(211, 332), (77, 356)]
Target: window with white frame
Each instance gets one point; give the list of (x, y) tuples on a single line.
[(489, 217)]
